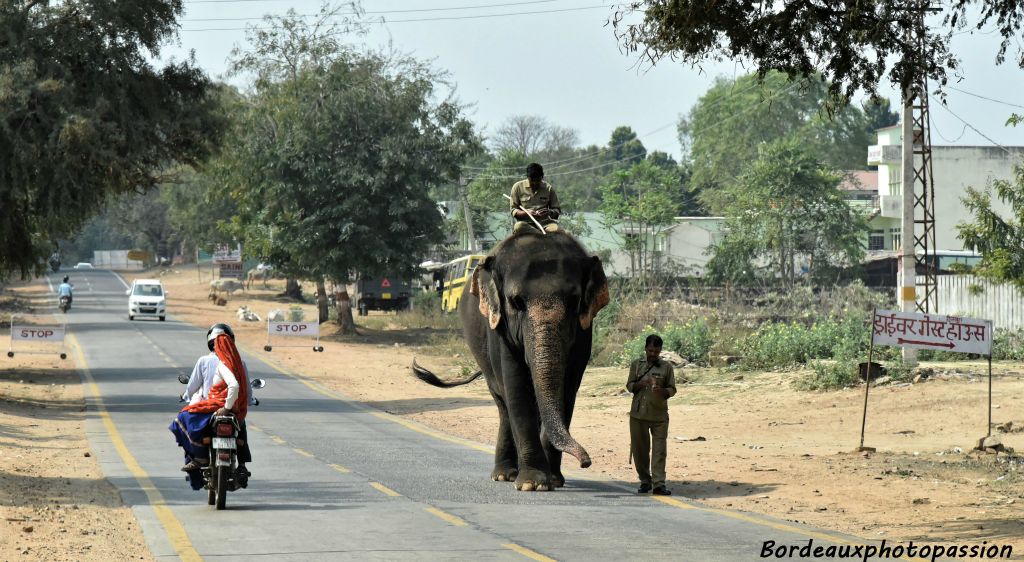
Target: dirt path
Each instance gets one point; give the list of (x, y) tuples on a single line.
[(55, 504), (767, 448)]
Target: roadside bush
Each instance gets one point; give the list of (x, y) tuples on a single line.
[(692, 340), (829, 375), (1008, 345), (296, 314), (426, 301), (785, 345)]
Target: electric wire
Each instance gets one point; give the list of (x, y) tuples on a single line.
[(375, 12), (384, 21), (972, 127), (986, 98)]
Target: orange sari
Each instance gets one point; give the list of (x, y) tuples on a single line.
[(228, 355)]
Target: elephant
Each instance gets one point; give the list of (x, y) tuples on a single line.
[(527, 318)]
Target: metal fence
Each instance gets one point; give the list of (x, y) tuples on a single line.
[(967, 295)]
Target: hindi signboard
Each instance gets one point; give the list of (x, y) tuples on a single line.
[(932, 331), (225, 253)]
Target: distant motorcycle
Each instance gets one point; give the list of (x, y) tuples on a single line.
[(55, 262), (65, 304), (221, 475)]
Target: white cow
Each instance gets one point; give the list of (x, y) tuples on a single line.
[(225, 286)]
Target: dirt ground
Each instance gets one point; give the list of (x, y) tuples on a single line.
[(766, 447), (55, 504)]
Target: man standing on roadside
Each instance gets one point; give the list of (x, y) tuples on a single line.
[(652, 382)]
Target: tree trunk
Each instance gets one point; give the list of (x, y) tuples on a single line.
[(321, 300), (292, 289), (343, 304)]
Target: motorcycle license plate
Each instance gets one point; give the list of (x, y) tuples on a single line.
[(224, 443)]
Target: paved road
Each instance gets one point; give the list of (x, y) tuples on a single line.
[(335, 480)]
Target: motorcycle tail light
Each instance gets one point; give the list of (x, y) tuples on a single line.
[(225, 430), (207, 440), (224, 455)]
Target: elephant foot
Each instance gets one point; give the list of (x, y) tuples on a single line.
[(557, 480), (532, 480), (504, 473)]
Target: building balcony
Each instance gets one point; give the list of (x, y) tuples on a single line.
[(891, 206), (884, 154)]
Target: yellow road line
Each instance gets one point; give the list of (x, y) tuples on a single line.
[(277, 439), (454, 520), (339, 468), (528, 553), (174, 529), (384, 489), (302, 452)]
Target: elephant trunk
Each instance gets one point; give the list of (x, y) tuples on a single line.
[(548, 368)]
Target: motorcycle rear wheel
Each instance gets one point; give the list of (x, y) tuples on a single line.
[(222, 487)]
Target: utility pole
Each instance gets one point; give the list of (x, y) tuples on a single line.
[(908, 277), (470, 235)]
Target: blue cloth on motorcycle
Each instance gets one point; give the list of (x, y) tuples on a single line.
[(189, 429)]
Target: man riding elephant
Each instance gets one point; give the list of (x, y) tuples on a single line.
[(528, 320)]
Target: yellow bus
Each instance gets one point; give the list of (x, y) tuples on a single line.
[(457, 274)]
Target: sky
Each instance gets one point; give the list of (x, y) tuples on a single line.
[(560, 60)]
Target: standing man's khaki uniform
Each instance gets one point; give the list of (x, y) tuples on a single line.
[(648, 419), (543, 197)]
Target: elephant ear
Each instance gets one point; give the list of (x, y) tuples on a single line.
[(483, 287), (595, 293)]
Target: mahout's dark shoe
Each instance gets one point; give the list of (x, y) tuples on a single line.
[(662, 491), (644, 488)]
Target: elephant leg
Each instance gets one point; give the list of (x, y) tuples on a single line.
[(506, 461), (524, 420)]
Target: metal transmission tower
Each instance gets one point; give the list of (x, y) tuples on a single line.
[(924, 203)]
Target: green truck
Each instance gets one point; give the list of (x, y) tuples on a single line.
[(382, 293)]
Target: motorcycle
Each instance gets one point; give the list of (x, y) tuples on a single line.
[(221, 475), (54, 262), (65, 304)]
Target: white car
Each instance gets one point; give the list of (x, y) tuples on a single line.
[(147, 299), (83, 265)]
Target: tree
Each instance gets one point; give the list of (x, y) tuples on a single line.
[(786, 208), (525, 134), (335, 160), (640, 201), (998, 237), (84, 115), (853, 45), (725, 129), (879, 114)]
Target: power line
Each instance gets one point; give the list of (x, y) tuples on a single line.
[(442, 18), (973, 128), (986, 98), (362, 13)]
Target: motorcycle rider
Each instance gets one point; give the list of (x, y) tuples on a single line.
[(65, 290), (198, 389)]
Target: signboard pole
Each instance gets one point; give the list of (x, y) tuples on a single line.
[(989, 433), (867, 386)]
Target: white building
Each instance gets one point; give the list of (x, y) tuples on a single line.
[(954, 169)]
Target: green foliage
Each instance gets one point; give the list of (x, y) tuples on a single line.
[(640, 201), (692, 340), (829, 375), (1008, 345), (998, 237), (85, 115), (296, 314), (786, 345), (726, 128), (424, 301), (854, 44), (786, 208), (333, 163)]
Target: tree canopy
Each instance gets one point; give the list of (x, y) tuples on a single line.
[(80, 95), (726, 128), (997, 236), (786, 212), (854, 45)]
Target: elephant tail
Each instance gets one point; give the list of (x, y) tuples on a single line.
[(433, 380)]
